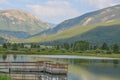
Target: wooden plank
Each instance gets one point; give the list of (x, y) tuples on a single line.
[(45, 66)]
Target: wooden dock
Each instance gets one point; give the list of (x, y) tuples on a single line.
[(39, 66), (38, 77)]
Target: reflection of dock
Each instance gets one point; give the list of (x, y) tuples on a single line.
[(40, 66), (25, 77), (37, 76)]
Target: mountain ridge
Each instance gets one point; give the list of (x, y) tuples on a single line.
[(81, 25), (19, 24), (95, 17), (20, 20)]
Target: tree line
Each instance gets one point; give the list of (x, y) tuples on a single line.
[(76, 46), (86, 46)]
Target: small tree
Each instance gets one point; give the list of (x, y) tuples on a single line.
[(14, 46), (58, 47), (5, 45), (115, 48), (105, 46), (21, 45), (66, 46), (95, 47)]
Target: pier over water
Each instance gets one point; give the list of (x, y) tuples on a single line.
[(34, 70)]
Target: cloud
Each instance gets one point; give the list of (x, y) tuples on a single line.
[(5, 2), (55, 10), (98, 3)]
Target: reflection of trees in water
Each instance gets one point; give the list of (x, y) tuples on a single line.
[(14, 56), (104, 62), (78, 62), (115, 63), (4, 57)]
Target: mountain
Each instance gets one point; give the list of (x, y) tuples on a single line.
[(16, 34), (48, 31), (51, 25), (98, 35), (8, 38), (2, 40), (19, 20), (97, 27), (17, 24), (105, 15)]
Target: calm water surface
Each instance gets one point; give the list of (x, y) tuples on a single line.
[(80, 68)]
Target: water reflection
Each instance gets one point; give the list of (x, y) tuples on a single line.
[(79, 69), (115, 63), (37, 76), (4, 57), (14, 56)]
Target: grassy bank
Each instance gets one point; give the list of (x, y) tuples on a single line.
[(60, 52), (4, 77)]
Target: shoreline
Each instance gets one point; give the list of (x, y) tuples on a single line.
[(64, 54)]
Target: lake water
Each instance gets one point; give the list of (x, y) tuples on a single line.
[(80, 67)]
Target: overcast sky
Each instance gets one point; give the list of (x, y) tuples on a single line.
[(56, 11)]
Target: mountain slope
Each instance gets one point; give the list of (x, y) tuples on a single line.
[(105, 15), (98, 35), (2, 40), (8, 38), (16, 34), (19, 20), (86, 27)]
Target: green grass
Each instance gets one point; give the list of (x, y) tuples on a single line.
[(36, 51), (4, 78)]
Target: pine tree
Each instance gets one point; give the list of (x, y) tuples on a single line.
[(66, 46), (104, 46), (14, 46), (115, 48), (5, 46)]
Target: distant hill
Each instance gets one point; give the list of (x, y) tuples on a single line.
[(19, 20), (17, 23), (98, 35), (51, 25), (8, 38), (105, 15), (17, 34), (2, 40), (97, 27)]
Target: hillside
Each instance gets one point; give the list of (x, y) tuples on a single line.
[(98, 35), (19, 20), (102, 16), (9, 38), (86, 27), (2, 40), (17, 24), (16, 34)]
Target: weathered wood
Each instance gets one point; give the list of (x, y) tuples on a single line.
[(39, 66)]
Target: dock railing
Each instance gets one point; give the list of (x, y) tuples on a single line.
[(39, 66)]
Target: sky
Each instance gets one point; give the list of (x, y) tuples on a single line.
[(56, 11)]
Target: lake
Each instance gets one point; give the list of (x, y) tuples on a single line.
[(80, 67)]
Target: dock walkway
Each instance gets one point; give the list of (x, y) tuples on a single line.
[(39, 66)]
